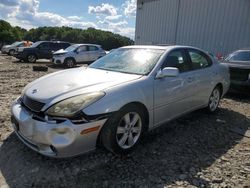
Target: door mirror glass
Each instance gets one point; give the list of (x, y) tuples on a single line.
[(168, 72)]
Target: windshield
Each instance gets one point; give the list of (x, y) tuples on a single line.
[(239, 56), (15, 43), (34, 45), (72, 47), (129, 60)]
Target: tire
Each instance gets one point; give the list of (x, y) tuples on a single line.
[(40, 68), (11, 52), (70, 62), (119, 137), (214, 100), (31, 58)]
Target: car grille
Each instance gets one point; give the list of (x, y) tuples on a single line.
[(32, 104), (238, 74)]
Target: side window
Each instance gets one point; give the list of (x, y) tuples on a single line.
[(93, 48), (199, 60), (82, 49), (44, 46), (240, 56), (21, 45), (177, 59)]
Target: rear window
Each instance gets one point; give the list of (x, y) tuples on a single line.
[(239, 56)]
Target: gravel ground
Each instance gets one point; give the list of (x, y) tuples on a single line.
[(198, 150)]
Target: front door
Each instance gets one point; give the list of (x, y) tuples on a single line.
[(173, 95), (82, 54), (44, 51)]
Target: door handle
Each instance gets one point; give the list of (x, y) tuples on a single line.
[(190, 79)]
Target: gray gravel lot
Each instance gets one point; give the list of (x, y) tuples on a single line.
[(198, 150)]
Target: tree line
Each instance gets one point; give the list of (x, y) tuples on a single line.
[(108, 40)]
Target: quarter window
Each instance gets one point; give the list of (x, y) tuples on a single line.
[(199, 60), (178, 60)]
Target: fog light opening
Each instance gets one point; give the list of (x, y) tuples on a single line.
[(53, 149)]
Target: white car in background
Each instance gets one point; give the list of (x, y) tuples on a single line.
[(78, 53), (15, 47)]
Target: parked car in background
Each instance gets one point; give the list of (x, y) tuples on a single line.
[(115, 100), (13, 48), (41, 50), (26, 45), (78, 53), (239, 65)]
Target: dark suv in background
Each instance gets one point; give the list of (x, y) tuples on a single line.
[(239, 65), (41, 50)]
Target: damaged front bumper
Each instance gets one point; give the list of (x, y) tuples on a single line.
[(52, 138)]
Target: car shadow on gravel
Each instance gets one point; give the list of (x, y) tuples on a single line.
[(60, 67), (239, 97), (166, 156)]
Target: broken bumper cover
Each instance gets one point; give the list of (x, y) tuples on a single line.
[(53, 139)]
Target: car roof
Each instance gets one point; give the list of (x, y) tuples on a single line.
[(53, 41), (161, 47), (97, 45)]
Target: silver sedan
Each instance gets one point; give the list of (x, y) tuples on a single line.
[(117, 99)]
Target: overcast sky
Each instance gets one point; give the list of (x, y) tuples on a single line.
[(117, 16)]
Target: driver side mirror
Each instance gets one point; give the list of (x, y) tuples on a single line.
[(167, 72)]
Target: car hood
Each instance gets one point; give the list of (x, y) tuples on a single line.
[(6, 46), (71, 82), (61, 51), (242, 65), (29, 49)]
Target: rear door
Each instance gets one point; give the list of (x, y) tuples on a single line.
[(93, 52), (173, 96), (204, 73)]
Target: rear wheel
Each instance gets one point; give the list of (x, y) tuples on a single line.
[(31, 58), (214, 100), (123, 131), (69, 62)]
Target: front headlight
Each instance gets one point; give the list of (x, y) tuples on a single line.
[(69, 107)]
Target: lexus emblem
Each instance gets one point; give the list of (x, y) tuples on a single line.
[(34, 91)]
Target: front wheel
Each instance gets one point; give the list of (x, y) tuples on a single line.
[(31, 58), (123, 131), (214, 100), (69, 62)]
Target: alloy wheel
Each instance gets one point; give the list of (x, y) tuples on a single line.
[(70, 63), (31, 58), (214, 99), (129, 130)]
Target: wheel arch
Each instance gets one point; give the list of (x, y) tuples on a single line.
[(69, 58), (140, 105), (220, 86)]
